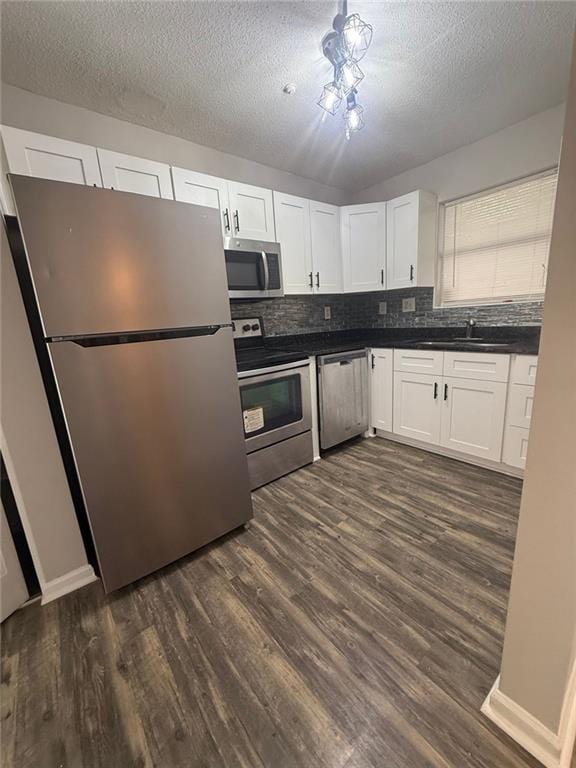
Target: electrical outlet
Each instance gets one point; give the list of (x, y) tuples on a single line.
[(382, 308), (409, 305), (327, 313)]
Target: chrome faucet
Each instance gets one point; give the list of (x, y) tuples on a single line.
[(470, 328)]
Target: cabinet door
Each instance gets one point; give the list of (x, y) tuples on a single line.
[(135, 174), (524, 369), (520, 403), (202, 189), (515, 448), (381, 384), (292, 215), (326, 251), (364, 247), (402, 215), (473, 416), (417, 406), (252, 212), (32, 154)]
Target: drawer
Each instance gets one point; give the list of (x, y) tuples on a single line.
[(418, 361), (524, 369), (481, 366), (520, 402), (515, 447)]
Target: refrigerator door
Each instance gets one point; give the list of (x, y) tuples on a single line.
[(159, 447), (104, 261)]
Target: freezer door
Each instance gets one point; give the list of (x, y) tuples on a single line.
[(104, 261), (157, 437)]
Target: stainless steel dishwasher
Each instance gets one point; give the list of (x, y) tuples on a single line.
[(343, 396)]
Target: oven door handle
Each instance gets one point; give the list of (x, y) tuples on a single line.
[(265, 268)]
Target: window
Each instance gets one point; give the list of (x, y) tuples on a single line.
[(494, 246)]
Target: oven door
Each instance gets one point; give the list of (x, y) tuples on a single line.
[(276, 404)]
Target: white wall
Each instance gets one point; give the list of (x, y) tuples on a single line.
[(538, 661), (524, 148), (31, 112)]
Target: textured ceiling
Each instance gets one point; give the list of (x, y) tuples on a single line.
[(438, 75)]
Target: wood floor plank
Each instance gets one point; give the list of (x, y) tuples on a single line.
[(357, 624)]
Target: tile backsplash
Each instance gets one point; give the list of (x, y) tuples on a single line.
[(305, 314)]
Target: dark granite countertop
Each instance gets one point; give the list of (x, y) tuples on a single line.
[(520, 340)]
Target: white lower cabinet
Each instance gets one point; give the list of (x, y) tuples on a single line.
[(519, 410), (460, 413), (515, 447), (417, 409), (381, 382), (473, 416)]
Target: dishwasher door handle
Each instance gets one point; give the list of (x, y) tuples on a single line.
[(345, 362)]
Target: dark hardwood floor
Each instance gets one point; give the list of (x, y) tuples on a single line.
[(357, 624)]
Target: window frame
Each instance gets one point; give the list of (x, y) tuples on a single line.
[(504, 301)]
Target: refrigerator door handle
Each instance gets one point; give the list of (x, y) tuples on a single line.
[(132, 337), (266, 273)]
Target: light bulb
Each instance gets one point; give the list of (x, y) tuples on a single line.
[(331, 98), (350, 76), (356, 37), (353, 118)]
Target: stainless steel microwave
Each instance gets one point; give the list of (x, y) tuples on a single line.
[(253, 269)]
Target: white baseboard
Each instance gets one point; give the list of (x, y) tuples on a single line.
[(68, 583), (553, 750), (497, 466)]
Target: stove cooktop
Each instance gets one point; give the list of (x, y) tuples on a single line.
[(262, 357)]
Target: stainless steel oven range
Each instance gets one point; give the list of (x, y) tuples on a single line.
[(276, 405)]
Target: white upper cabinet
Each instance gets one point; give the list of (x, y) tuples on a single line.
[(473, 416), (134, 174), (309, 236), (381, 385), (202, 189), (326, 251), (363, 247), (292, 215), (252, 212), (32, 154), (411, 240)]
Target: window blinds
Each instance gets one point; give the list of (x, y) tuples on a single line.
[(494, 246)]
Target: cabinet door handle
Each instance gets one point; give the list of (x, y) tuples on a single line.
[(411, 272), (317, 279), (226, 220), (237, 221), (311, 283), (445, 391), (373, 362), (435, 390), (381, 277)]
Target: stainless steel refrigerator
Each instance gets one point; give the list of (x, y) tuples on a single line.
[(132, 299)]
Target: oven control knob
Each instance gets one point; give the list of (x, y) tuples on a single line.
[(246, 328), (255, 327)]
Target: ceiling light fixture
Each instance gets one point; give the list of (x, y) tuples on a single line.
[(344, 47)]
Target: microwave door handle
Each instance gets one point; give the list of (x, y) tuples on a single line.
[(266, 273)]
